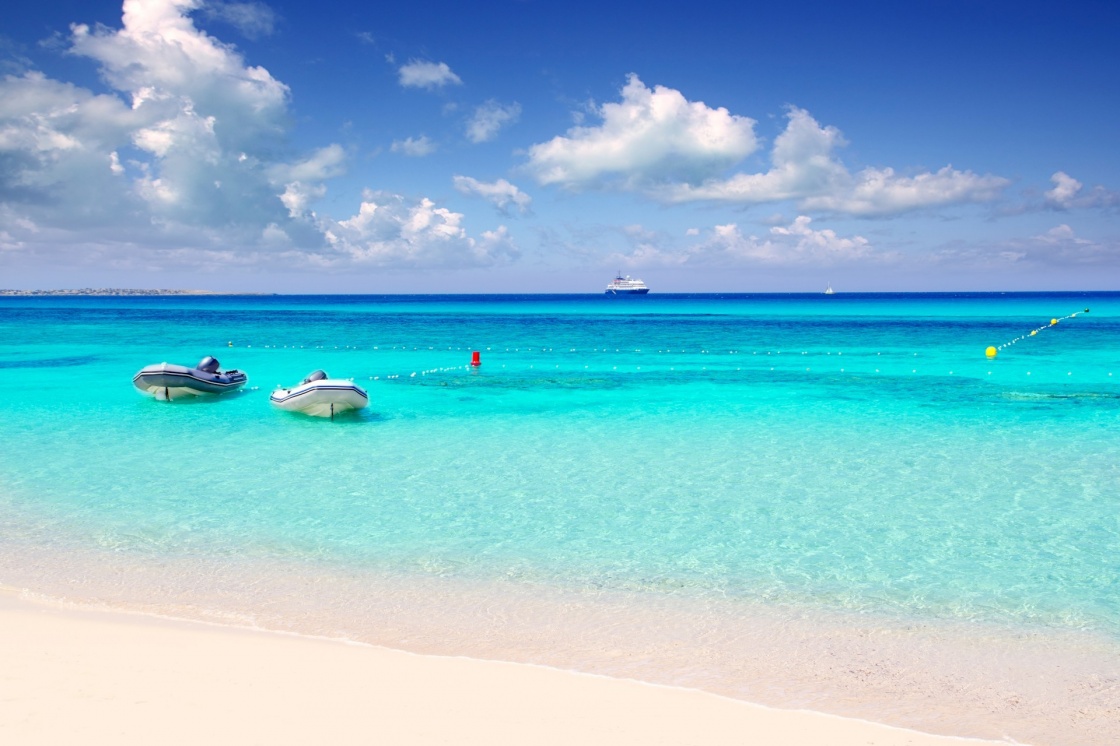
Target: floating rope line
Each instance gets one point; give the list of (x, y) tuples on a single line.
[(813, 361), (993, 351)]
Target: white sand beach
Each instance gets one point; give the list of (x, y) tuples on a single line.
[(77, 675)]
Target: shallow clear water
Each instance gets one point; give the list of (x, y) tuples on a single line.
[(830, 454), (852, 451)]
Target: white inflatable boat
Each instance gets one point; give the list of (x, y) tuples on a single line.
[(167, 382), (320, 396)]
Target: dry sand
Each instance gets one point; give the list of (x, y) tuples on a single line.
[(72, 675)]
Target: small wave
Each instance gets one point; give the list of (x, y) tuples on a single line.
[(1043, 396)]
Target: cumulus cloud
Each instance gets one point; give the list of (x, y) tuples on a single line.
[(1068, 193), (803, 163), (1065, 190), (56, 141), (254, 20), (178, 160), (659, 143), (650, 136), (388, 231), (727, 246), (201, 123), (415, 147), (428, 75), (805, 169), (298, 196), (502, 194), (164, 62), (489, 119), (1061, 235)]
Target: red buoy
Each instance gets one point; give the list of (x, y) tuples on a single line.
[(476, 358)]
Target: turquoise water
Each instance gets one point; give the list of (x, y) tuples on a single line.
[(848, 452)]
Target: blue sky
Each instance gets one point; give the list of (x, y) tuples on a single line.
[(514, 145)]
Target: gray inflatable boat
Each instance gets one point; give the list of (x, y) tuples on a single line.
[(167, 382)]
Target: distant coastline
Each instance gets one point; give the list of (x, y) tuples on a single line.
[(119, 291), (140, 292)]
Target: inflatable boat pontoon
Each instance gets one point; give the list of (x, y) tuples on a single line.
[(167, 382), (320, 396)]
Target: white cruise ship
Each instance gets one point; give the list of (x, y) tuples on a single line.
[(626, 286)]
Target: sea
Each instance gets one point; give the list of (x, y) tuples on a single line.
[(835, 502)]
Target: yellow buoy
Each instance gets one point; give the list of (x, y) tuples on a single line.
[(1034, 332), (1053, 321), (990, 352)]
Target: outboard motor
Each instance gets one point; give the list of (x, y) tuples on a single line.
[(318, 375), (208, 364)]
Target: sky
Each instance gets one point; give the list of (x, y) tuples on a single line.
[(514, 146)]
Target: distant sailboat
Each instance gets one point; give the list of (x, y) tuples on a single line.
[(828, 290)]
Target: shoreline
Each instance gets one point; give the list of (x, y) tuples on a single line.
[(76, 672), (967, 680)]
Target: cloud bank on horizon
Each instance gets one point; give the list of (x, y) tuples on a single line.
[(184, 160)]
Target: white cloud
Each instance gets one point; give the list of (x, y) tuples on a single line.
[(500, 193), (797, 243), (254, 20), (302, 180), (56, 142), (1062, 246), (1068, 194), (657, 142), (195, 107), (802, 164), (805, 169), (489, 119), (388, 231), (727, 246), (164, 62), (1061, 235), (649, 136), (1065, 189), (182, 164), (298, 196), (416, 147), (324, 163), (877, 192), (273, 236), (429, 75)]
